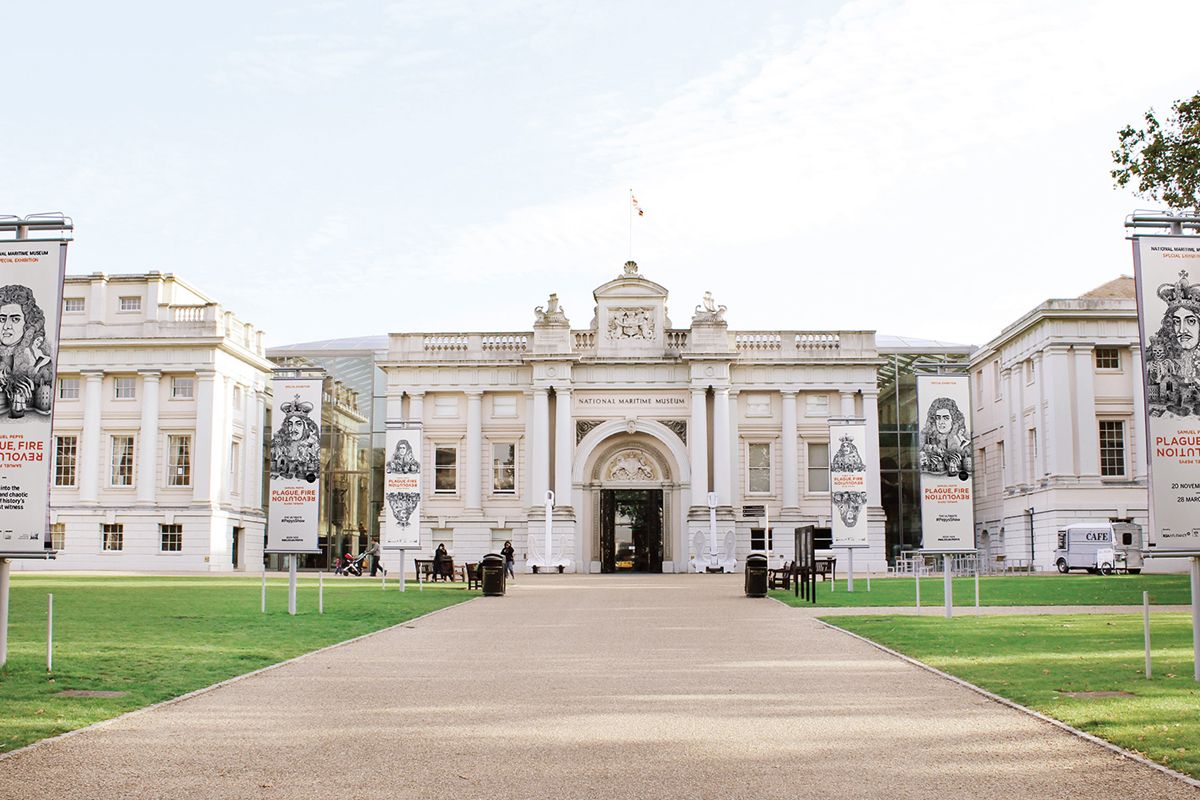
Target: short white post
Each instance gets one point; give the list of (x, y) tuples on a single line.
[(420, 580), (712, 531), (868, 581), (5, 566), (976, 587), (264, 589), (1195, 618), (549, 530), (948, 584), (850, 570), (49, 633), (401, 571), (320, 592), (292, 584), (918, 579), (1146, 628)]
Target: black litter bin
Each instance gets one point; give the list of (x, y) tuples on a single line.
[(491, 571), (756, 575)]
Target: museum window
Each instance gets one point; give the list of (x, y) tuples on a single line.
[(757, 543), (68, 388), (445, 469), (183, 388), (130, 304), (235, 466), (504, 468), (816, 405), (1031, 453), (758, 467), (504, 406), (179, 460), (58, 536), (66, 456), (818, 466), (758, 405), (124, 388), (72, 305), (1112, 448), (170, 538), (1028, 369), (1108, 358), (121, 467), (113, 537), (237, 395)]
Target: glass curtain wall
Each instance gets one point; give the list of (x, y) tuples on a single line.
[(898, 474)]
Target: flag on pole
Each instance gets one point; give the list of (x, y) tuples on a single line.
[(636, 207)]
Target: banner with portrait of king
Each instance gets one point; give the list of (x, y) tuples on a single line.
[(1167, 269), (295, 499), (848, 483)]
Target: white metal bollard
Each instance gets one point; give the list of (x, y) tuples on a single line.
[(264, 589), (868, 580), (976, 588), (49, 633), (320, 592), (918, 579), (1146, 628)]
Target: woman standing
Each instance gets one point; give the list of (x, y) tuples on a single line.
[(509, 560)]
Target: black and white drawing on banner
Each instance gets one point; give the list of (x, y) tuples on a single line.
[(850, 506), (26, 358), (945, 440), (1173, 385), (403, 504), (847, 458), (296, 445), (403, 462)]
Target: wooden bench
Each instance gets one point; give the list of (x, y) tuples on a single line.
[(425, 572), (474, 576), (781, 578), (826, 568)]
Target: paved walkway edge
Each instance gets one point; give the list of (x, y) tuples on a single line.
[(226, 682), (1004, 701)]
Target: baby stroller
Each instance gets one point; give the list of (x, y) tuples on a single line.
[(350, 565)]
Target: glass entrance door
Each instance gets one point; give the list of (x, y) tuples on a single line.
[(631, 530)]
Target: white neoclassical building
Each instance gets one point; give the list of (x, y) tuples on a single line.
[(158, 420), (631, 420), (1059, 423)]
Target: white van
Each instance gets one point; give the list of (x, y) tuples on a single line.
[(1100, 547)]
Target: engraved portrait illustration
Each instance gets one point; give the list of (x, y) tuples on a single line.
[(26, 361), (403, 504), (847, 458), (403, 462), (1171, 362), (945, 440), (849, 506), (296, 445)]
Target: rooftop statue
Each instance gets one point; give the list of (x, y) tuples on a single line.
[(551, 314), (709, 311)]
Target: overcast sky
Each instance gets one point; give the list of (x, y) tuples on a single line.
[(330, 169)]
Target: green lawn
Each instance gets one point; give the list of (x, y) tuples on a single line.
[(159, 637), (1008, 590), (1035, 660)]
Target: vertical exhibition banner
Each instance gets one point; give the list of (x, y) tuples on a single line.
[(31, 281), (1168, 294), (848, 483), (945, 460), (295, 465), (402, 486)]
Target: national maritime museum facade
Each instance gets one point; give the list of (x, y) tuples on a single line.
[(633, 421)]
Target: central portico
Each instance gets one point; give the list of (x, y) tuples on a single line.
[(631, 422)]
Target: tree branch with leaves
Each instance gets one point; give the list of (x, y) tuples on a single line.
[(1163, 160)]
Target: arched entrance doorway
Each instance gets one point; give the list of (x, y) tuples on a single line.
[(632, 498)]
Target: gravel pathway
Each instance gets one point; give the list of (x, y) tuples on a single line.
[(588, 687)]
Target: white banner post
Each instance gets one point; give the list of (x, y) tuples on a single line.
[(5, 566), (404, 487), (1146, 628), (292, 558), (546, 556), (948, 585), (917, 570), (264, 589), (320, 592), (712, 531), (49, 633), (976, 586)]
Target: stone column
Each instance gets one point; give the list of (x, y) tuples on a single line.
[(225, 447), (255, 499), (1057, 438), (1087, 433), (847, 399), (474, 483), (721, 477), (1010, 446), (539, 449), (91, 445), (870, 405), (1016, 394), (250, 448), (698, 445), (791, 484), (416, 406), (1138, 464), (147, 453), (735, 477), (206, 456), (1040, 467), (564, 447)]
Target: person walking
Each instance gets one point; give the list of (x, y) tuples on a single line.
[(509, 560), (373, 552)]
